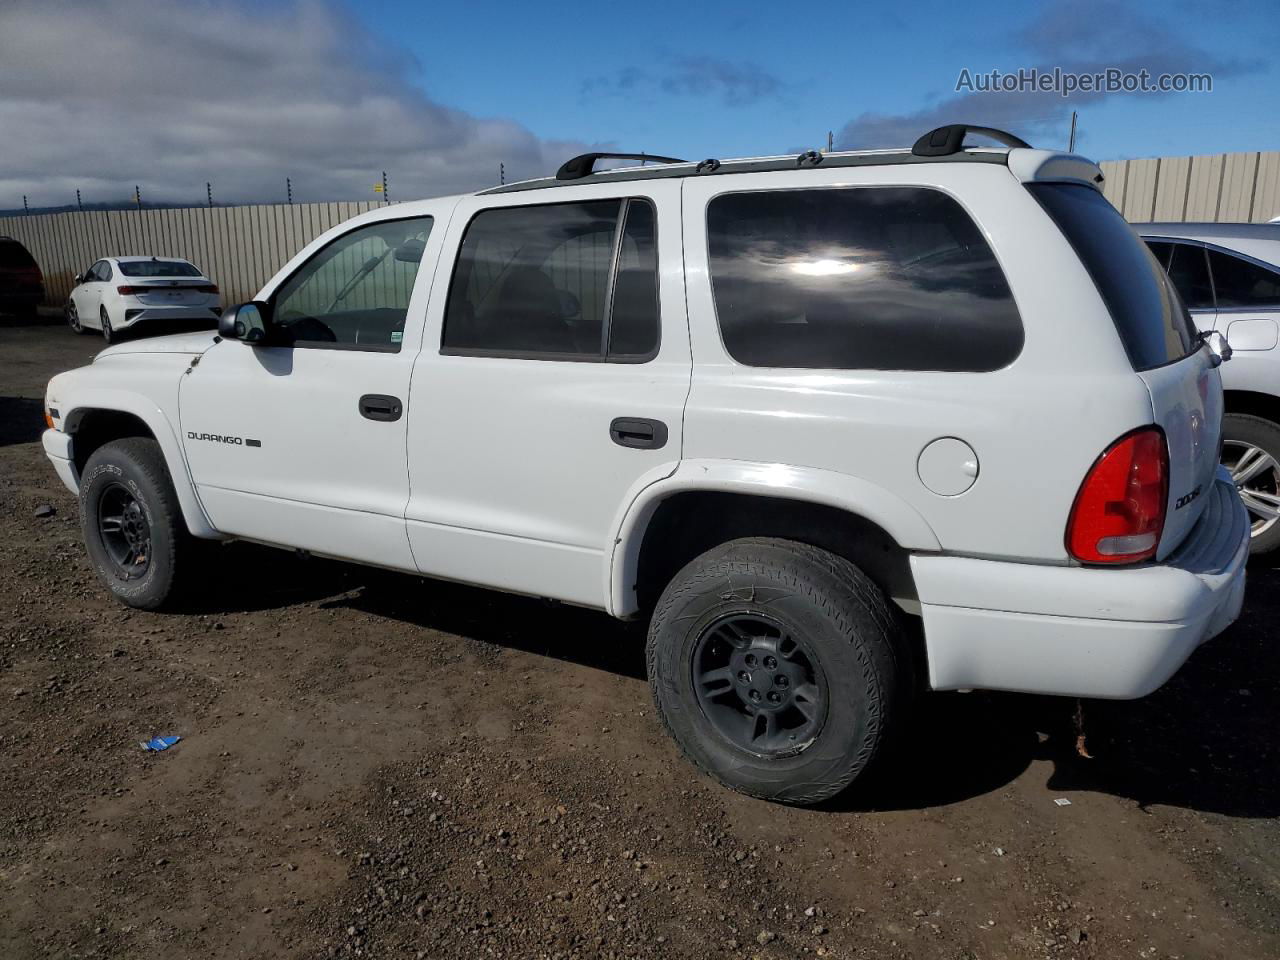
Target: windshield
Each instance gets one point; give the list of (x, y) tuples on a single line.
[(158, 268), (1148, 313)]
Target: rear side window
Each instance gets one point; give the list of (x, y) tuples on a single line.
[(158, 268), (571, 281), (1152, 321), (861, 278), (1241, 283)]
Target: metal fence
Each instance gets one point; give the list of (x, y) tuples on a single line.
[(239, 248), (1224, 187)]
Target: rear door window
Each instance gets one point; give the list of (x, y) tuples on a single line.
[(566, 281), (1152, 321), (1241, 283), (858, 278)]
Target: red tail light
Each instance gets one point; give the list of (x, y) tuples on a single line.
[(208, 288), (1119, 512), (131, 291)]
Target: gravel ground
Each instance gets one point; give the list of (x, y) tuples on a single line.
[(379, 765)]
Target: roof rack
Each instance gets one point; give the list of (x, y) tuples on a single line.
[(584, 164), (944, 141)]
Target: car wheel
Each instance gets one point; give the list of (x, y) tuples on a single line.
[(1251, 451), (131, 522), (107, 333), (778, 668), (73, 318)]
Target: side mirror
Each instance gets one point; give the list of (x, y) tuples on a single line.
[(247, 321), (78, 278), (411, 250), (1219, 348)]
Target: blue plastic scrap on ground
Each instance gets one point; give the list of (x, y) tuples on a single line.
[(159, 743)]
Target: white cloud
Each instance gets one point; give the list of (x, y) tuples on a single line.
[(101, 95)]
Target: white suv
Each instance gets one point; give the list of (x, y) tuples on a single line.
[(832, 423)]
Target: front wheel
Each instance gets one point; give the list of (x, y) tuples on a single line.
[(777, 668), (73, 318), (1251, 451), (132, 523)]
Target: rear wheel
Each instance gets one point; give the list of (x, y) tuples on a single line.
[(132, 523), (1251, 451), (107, 333), (777, 668)]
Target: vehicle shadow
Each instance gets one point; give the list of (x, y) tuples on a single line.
[(43, 317), (1206, 741), (21, 420)]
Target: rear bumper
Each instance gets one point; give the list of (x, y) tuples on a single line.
[(170, 319), (1079, 631), (57, 447)]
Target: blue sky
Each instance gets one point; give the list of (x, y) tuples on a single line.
[(172, 94), (803, 69)]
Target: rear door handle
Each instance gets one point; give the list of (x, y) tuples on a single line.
[(379, 406), (638, 432)]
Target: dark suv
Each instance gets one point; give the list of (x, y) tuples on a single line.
[(21, 284)]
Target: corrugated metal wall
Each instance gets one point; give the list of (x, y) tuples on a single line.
[(1225, 187), (241, 247)]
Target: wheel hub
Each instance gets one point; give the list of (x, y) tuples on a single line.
[(759, 685), (763, 681), (126, 534)]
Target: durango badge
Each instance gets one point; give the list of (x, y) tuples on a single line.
[(221, 438)]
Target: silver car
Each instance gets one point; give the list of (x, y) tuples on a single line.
[(1229, 276)]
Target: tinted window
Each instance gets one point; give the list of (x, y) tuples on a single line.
[(633, 331), (103, 271), (355, 291), (881, 278), (540, 280), (158, 268), (1161, 250), (1243, 284), (1152, 322), (1189, 272)]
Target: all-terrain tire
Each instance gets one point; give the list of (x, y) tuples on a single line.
[(135, 468), (848, 630)]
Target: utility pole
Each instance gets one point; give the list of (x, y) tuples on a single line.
[(24, 204), (79, 204), (208, 192), (386, 196), (831, 141), (288, 189), (137, 195), (1071, 144), (502, 174)]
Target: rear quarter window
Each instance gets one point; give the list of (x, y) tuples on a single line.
[(1149, 316), (858, 278)]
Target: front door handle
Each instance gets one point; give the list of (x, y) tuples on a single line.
[(379, 406), (638, 432)]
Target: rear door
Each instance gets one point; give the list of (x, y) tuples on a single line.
[(551, 385)]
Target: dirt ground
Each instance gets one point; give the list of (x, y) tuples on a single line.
[(383, 766)]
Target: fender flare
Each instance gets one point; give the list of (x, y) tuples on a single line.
[(774, 480), (155, 419)]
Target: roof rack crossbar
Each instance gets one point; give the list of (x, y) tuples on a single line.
[(947, 140), (582, 165)]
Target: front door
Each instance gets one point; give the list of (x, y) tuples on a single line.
[(87, 294), (300, 440), (555, 374)]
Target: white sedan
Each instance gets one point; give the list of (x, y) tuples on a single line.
[(163, 294)]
